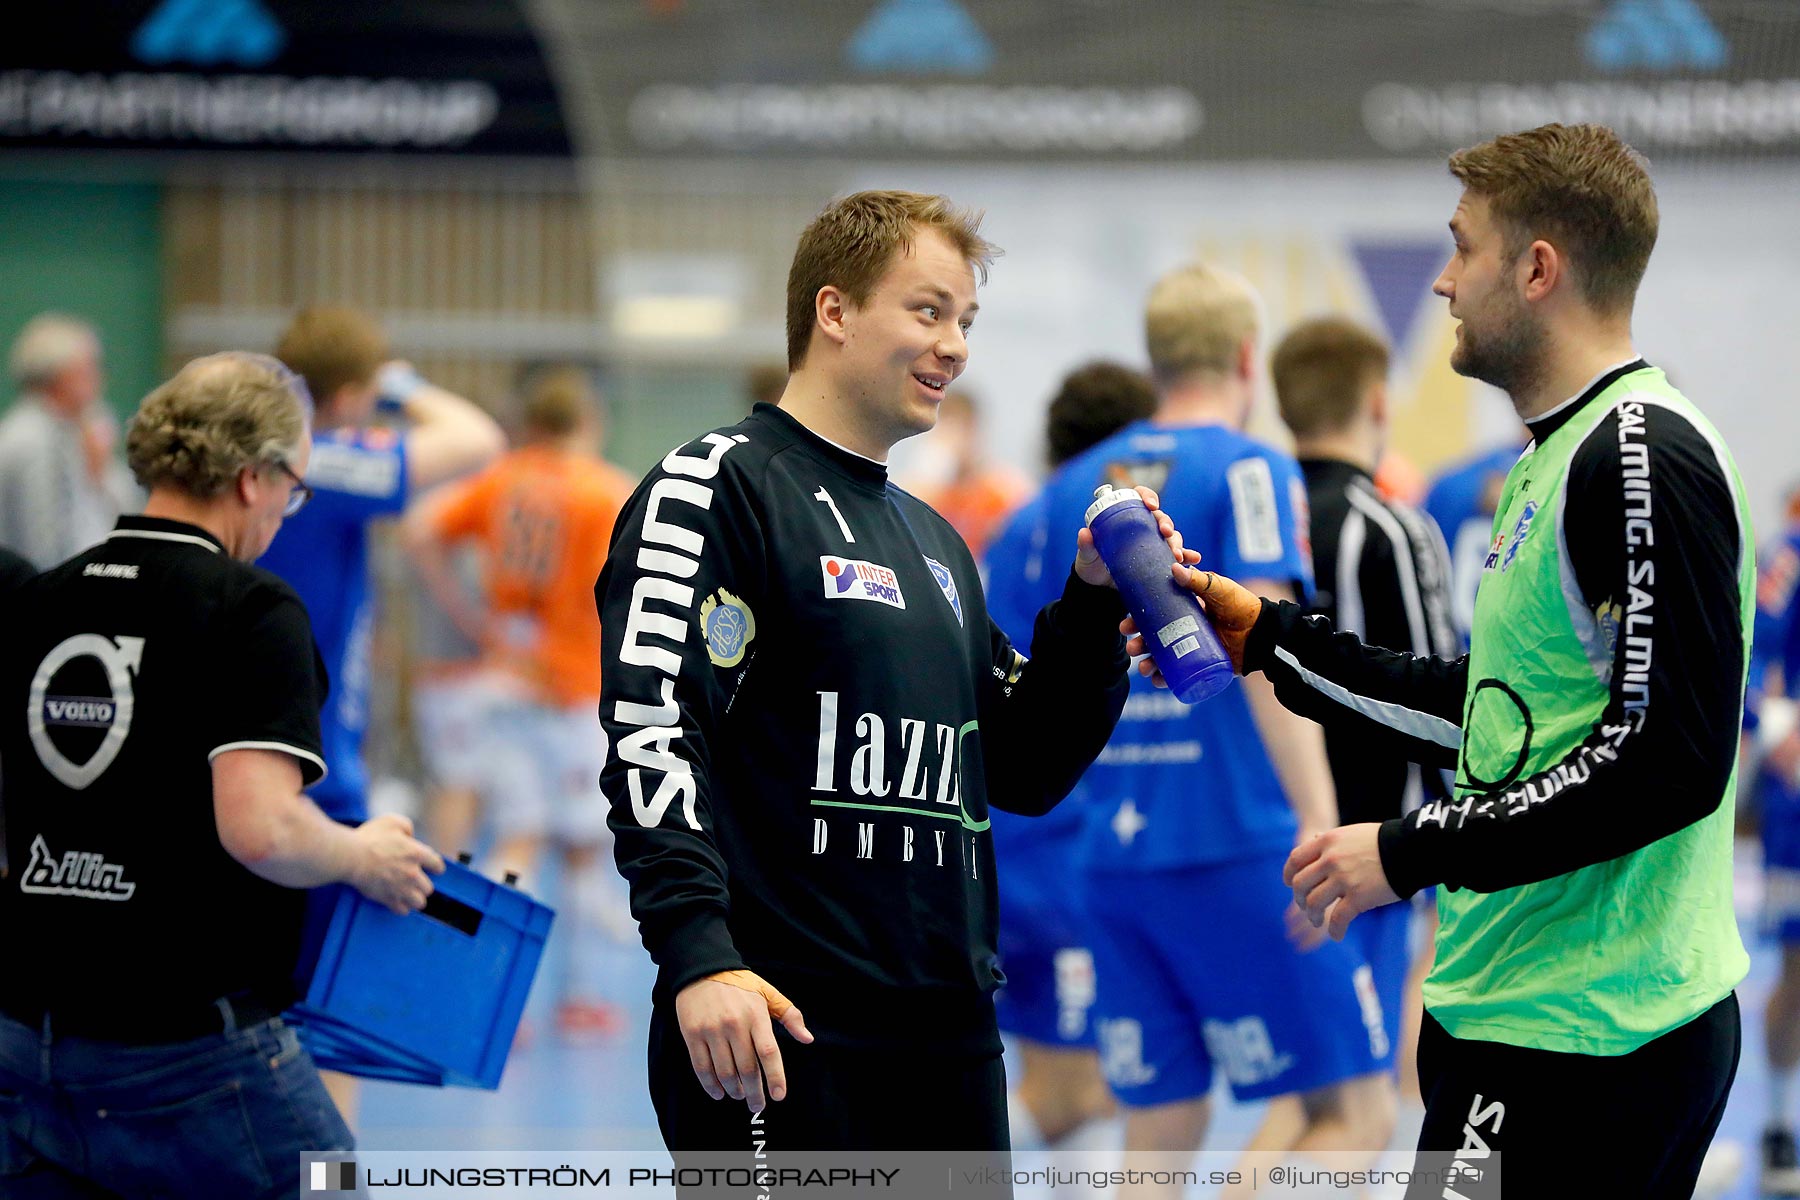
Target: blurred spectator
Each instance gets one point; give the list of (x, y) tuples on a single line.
[(975, 495), (1095, 401), (448, 700), (61, 486), (360, 472), (765, 381), (541, 519), (1398, 478)]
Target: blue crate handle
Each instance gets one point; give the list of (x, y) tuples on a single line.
[(447, 910), (349, 1017)]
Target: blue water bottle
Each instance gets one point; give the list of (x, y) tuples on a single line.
[(1181, 639)]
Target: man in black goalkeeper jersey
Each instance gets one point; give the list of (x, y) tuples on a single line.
[(809, 715)]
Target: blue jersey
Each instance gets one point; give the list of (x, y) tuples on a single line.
[(1025, 569), (1776, 640), (1183, 785), (1461, 501), (356, 475)]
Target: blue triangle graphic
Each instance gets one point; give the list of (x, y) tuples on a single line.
[(209, 33), (920, 37), (1399, 275), (1658, 35)]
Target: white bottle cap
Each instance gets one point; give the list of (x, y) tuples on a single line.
[(1105, 496)]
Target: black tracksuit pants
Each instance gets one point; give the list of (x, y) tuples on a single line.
[(1635, 1125)]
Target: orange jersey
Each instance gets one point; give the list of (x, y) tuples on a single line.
[(543, 519), (977, 504)]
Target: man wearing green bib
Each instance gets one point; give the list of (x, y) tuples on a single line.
[(1580, 1017)]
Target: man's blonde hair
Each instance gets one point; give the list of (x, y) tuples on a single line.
[(1321, 370), (332, 347), (216, 416), (1196, 320), (1578, 187), (851, 243)]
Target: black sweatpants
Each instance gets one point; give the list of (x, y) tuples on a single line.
[(838, 1099), (1632, 1125)]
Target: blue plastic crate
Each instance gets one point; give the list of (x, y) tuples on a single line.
[(433, 997)]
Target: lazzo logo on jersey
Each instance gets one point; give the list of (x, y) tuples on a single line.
[(947, 581), (858, 579), (1520, 532), (118, 661)]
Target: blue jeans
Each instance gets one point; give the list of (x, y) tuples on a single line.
[(228, 1114)]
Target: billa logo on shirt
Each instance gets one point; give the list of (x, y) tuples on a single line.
[(729, 628), (857, 579)]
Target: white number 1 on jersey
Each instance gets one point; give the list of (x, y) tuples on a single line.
[(824, 497)]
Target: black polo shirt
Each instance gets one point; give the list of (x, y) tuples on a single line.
[(133, 665)]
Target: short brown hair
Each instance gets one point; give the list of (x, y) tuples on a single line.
[(1321, 369), (1094, 402), (1196, 319), (1578, 187), (559, 399), (851, 243), (332, 347), (216, 416)]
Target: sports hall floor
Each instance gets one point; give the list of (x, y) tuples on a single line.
[(591, 1095)]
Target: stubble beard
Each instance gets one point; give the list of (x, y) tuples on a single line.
[(1510, 357)]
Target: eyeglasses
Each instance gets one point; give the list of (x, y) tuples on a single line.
[(300, 495)]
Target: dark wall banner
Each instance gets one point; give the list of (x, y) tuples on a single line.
[(390, 75), (1194, 79)]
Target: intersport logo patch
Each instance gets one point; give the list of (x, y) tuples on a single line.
[(859, 579)]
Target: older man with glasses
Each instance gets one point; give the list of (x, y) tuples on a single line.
[(160, 835)]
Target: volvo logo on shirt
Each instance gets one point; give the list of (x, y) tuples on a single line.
[(858, 579), (88, 714)]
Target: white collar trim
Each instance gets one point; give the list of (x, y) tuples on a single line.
[(157, 535)]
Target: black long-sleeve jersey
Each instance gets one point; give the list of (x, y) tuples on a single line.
[(1631, 781), (809, 715), (1382, 574)]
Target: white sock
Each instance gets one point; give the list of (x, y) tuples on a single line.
[(1781, 1094), (1025, 1132)]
